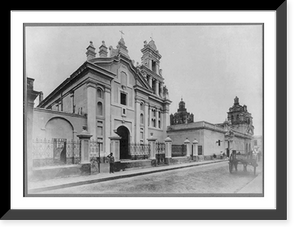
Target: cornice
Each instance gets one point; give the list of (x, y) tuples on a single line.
[(155, 75)]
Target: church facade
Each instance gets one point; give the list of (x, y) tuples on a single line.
[(111, 95), (234, 134)]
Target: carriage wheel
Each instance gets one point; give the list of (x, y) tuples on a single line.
[(235, 166), (230, 167)]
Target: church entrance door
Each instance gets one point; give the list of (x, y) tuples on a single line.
[(123, 132)]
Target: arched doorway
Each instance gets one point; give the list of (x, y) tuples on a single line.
[(123, 132), (59, 130)]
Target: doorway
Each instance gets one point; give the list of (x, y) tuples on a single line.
[(60, 151), (123, 132)]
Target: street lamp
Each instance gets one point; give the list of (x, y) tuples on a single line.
[(228, 135)]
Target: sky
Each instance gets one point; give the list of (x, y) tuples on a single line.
[(206, 65)]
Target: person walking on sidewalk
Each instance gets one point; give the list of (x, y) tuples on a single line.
[(111, 163)]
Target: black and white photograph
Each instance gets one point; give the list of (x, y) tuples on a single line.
[(148, 115), (144, 110)]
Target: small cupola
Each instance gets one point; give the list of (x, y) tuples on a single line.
[(90, 51), (103, 50)]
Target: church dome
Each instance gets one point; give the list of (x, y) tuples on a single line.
[(181, 103)]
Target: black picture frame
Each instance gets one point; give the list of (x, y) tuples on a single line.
[(281, 211)]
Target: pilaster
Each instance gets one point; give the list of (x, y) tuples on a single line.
[(91, 109), (146, 122), (157, 87), (137, 121), (107, 122), (150, 81)]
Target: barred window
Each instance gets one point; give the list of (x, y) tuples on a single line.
[(123, 98), (142, 118), (100, 109)]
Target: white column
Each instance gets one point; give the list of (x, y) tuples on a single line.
[(167, 116), (161, 89), (156, 118), (115, 146), (152, 141), (150, 81), (107, 100), (150, 64), (84, 138), (168, 149), (91, 109), (146, 122), (188, 149), (156, 88), (137, 121)]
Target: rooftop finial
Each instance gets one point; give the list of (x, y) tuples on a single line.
[(122, 33), (236, 100)]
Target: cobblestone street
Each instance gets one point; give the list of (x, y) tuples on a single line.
[(207, 179)]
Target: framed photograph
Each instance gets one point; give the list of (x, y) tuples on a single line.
[(148, 115)]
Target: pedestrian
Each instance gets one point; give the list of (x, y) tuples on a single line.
[(111, 163), (259, 156)]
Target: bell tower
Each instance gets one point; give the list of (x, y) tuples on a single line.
[(240, 118), (151, 56), (151, 68)]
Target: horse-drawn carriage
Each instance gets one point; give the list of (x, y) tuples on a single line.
[(244, 159)]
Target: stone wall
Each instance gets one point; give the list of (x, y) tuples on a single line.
[(54, 124), (210, 139)]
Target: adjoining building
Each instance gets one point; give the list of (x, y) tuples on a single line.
[(257, 143), (233, 134), (109, 94)]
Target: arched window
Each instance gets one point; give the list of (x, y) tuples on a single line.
[(142, 118), (100, 93), (99, 109), (153, 112), (123, 78), (153, 123), (142, 106)]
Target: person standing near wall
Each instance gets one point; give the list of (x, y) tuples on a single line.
[(111, 163)]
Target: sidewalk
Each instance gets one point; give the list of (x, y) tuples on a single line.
[(41, 186), (255, 186)]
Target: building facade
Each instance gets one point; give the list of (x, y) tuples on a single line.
[(109, 94), (214, 139)]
